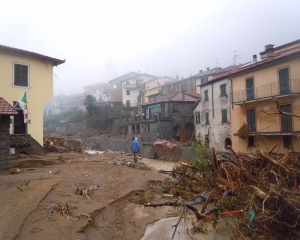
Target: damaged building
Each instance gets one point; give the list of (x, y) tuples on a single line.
[(166, 117)]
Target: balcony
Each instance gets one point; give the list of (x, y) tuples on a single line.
[(133, 86), (267, 91), (152, 117)]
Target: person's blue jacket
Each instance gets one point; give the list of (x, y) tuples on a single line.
[(135, 146)]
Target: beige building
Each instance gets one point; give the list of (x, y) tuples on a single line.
[(100, 91), (126, 89), (154, 88), (31, 72), (254, 88)]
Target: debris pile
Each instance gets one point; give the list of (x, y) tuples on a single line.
[(260, 191), (62, 145), (166, 149)]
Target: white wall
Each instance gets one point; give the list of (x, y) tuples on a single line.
[(216, 131)]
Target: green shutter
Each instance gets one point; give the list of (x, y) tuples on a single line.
[(224, 115)]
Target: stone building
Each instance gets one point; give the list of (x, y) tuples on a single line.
[(6, 110), (165, 117)]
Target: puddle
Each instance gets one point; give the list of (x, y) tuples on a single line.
[(94, 152), (163, 230)]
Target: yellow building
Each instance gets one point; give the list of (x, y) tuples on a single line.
[(256, 86), (31, 72)]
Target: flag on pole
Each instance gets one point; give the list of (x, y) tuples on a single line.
[(23, 104)]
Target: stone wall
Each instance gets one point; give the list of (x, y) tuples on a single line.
[(24, 143), (147, 149), (4, 142)]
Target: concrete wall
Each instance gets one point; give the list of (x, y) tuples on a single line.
[(39, 92), (147, 149)]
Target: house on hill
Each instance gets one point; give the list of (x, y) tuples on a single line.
[(22, 71), (126, 89)]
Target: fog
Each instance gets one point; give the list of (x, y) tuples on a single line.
[(101, 40)]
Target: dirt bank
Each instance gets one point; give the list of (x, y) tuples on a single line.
[(52, 181)]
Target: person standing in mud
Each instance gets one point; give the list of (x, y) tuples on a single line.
[(135, 147)]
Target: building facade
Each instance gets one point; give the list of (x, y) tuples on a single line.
[(212, 113), (100, 91), (31, 72), (256, 122)]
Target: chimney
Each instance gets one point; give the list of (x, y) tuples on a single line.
[(269, 50), (200, 71), (183, 95), (254, 58), (207, 68)]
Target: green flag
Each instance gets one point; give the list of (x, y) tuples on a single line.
[(23, 101)]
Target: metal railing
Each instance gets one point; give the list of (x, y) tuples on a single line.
[(156, 116), (266, 91)]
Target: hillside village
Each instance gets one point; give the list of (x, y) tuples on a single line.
[(229, 138), (234, 105)]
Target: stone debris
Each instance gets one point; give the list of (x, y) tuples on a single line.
[(63, 145)]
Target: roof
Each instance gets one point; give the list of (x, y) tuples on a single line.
[(103, 85), (129, 76), (224, 73), (6, 108), (55, 61), (177, 97), (277, 57), (282, 46)]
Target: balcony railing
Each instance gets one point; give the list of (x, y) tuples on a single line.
[(138, 85), (266, 91), (156, 116)]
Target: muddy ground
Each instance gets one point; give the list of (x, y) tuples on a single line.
[(45, 181)]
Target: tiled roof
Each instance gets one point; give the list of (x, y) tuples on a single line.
[(55, 61), (6, 108), (277, 57), (177, 96)]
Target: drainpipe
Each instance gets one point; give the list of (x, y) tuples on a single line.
[(212, 91), (231, 98)]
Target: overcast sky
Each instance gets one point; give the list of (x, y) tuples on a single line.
[(101, 40)]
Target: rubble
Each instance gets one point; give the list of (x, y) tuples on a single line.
[(260, 191), (62, 145)]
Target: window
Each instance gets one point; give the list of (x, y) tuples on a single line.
[(204, 79), (224, 115), (207, 118), (251, 119), (175, 107), (21, 75), (127, 103), (223, 90), (127, 92), (132, 129), (250, 89), (286, 121), (196, 117), (284, 81), (147, 127), (199, 121), (205, 95)]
